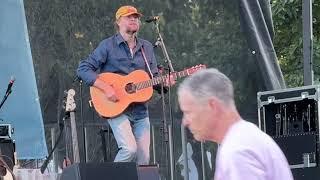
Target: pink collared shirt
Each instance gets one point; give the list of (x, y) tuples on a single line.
[(247, 153)]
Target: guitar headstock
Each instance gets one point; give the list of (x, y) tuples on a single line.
[(70, 103), (196, 68)]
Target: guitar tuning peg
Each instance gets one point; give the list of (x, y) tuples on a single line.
[(71, 91)]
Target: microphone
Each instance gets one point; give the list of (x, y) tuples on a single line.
[(152, 19), (10, 84)]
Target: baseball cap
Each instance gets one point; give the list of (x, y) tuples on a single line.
[(126, 11)]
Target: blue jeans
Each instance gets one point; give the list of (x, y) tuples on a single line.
[(133, 139)]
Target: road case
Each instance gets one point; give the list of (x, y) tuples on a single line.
[(291, 118)]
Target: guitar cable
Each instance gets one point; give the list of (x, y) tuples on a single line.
[(46, 162)]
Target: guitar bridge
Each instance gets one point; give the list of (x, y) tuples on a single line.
[(131, 88)]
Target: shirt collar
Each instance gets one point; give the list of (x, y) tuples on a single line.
[(119, 40)]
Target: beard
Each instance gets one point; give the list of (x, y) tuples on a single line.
[(132, 29), (129, 31)]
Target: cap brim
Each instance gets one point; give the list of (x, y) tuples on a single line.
[(128, 14)]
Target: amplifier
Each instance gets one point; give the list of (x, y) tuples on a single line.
[(110, 171), (6, 131)]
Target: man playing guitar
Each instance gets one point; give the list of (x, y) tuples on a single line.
[(122, 54)]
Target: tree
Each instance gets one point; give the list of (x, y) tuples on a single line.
[(288, 42)]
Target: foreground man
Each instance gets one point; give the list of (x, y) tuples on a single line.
[(245, 152)]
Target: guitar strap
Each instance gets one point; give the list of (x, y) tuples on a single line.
[(146, 62)]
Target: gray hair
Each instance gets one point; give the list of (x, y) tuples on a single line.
[(207, 83)]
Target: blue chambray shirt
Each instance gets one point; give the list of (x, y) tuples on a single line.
[(113, 55)]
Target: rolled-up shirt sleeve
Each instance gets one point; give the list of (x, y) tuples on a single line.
[(88, 67)]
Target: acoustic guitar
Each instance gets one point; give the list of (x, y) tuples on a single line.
[(134, 87)]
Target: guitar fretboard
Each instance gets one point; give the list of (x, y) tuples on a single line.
[(162, 79)]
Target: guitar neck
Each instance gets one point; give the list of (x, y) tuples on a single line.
[(161, 79), (74, 136)]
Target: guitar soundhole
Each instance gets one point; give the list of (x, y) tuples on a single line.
[(130, 88)]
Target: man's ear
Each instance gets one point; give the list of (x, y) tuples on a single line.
[(117, 21), (214, 103)]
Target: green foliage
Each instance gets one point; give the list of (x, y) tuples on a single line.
[(288, 42)]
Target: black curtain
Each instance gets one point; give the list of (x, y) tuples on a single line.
[(256, 23)]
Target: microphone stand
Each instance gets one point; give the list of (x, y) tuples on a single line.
[(82, 120), (163, 47), (164, 121), (167, 132), (82, 123), (5, 98)]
